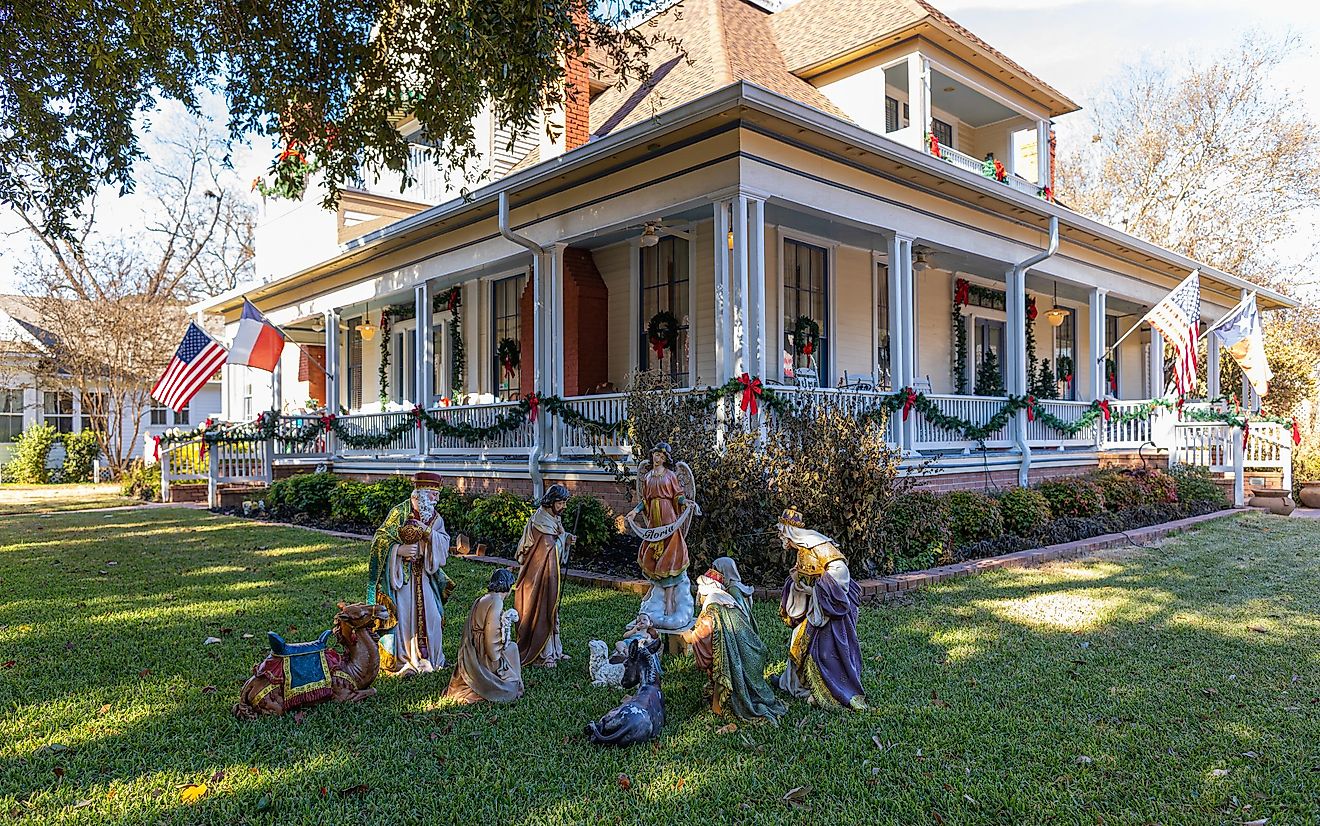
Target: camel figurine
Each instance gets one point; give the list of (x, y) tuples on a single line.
[(300, 674)]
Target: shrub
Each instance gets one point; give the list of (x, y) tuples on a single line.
[(1195, 486), (973, 516), (499, 519), (1072, 497), (377, 498), (31, 449), (306, 493), (80, 452), (1073, 528), (1306, 461), (916, 532), (346, 502), (1006, 544), (1160, 486), (1121, 490), (594, 526), (141, 481), (1025, 511)]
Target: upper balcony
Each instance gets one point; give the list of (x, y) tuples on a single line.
[(943, 109)]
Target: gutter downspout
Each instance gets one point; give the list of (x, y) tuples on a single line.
[(1019, 274), (534, 458)]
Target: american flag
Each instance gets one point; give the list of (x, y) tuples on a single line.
[(196, 360), (1178, 317)]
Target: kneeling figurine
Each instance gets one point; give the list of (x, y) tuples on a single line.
[(489, 667)]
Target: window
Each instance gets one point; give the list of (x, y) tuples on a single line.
[(57, 410), (892, 123), (988, 379), (248, 413), (439, 375), (94, 411), (1111, 363), (184, 416), (1065, 357), (403, 364), (506, 323), (806, 281), (883, 367), (355, 364), (664, 288), (942, 131), (11, 413), (158, 414)]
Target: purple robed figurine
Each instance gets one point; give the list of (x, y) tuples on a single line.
[(820, 600)]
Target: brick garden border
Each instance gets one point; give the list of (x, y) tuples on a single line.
[(888, 586)]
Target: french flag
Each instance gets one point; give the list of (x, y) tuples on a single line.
[(258, 343)]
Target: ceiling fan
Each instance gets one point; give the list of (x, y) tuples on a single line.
[(653, 231)]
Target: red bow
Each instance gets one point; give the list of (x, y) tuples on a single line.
[(1104, 407), (1031, 310), (327, 421), (453, 299), (935, 145), (751, 391), (507, 363), (808, 347), (155, 451), (658, 345), (1001, 174), (417, 414), (1067, 379), (909, 399), (209, 422), (1297, 434), (533, 406), (1246, 432), (1031, 408), (962, 291)]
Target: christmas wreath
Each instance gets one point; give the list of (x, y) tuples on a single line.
[(1063, 368), (662, 333), (509, 353), (806, 332)]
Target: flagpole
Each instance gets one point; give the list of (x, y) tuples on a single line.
[(1236, 307), (1142, 320)]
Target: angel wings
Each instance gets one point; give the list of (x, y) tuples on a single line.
[(683, 471)]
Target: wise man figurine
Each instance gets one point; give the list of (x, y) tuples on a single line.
[(820, 601), (666, 493), (488, 666), (542, 552), (407, 576), (727, 647)]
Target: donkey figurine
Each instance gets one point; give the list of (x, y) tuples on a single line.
[(639, 717)]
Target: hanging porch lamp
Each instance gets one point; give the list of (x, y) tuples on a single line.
[(1056, 314), (366, 329)]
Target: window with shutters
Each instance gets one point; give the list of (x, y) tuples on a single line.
[(354, 365)]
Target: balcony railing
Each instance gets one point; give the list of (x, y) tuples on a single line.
[(964, 161), (1040, 435)]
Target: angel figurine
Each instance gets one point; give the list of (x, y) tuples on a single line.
[(666, 494)]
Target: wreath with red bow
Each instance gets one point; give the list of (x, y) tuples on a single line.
[(806, 334), (509, 353), (662, 333)]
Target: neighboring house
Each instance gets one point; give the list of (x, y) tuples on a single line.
[(824, 162), (29, 395)]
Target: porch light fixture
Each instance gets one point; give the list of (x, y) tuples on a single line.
[(366, 329), (1056, 315), (920, 258), (318, 324), (649, 236)]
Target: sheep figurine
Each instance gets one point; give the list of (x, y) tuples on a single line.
[(603, 672), (507, 620)]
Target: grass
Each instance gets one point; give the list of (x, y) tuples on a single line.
[(58, 498), (1179, 685)]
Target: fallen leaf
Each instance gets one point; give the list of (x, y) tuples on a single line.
[(1250, 754), (1219, 772), (299, 716), (797, 795), (144, 673), (9, 664), (192, 792), (624, 782), (264, 803), (1259, 629), (875, 738), (728, 729), (105, 709), (678, 787), (211, 641), (225, 631), (247, 636), (58, 771), (254, 771), (969, 799), (936, 816), (83, 804), (323, 791), (360, 788), (936, 701), (218, 776)]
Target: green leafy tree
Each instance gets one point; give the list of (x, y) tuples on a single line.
[(330, 81)]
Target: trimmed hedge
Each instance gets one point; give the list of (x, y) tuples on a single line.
[(1026, 512), (916, 531), (973, 517), (1073, 496)]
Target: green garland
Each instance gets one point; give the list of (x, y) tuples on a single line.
[(452, 300), (384, 374)]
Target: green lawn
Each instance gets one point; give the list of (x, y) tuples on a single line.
[(53, 498), (1178, 686)]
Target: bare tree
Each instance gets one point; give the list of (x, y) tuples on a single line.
[(1215, 162), (113, 304)]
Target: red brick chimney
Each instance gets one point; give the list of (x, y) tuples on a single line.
[(577, 90)]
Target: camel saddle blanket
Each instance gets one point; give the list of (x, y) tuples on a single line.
[(303, 669)]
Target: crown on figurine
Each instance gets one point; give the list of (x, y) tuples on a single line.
[(792, 518), (426, 480)]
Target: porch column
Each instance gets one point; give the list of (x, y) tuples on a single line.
[(277, 387), (1212, 367), (1043, 154), (761, 362), (331, 373), (918, 96), (902, 333), (1156, 363), (554, 344), (723, 297), (1097, 305), (1015, 366), (424, 375), (739, 283)]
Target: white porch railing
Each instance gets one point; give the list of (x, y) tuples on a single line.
[(184, 462), (960, 159), (857, 402), (979, 409), (518, 441), (318, 448), (1130, 434), (374, 424), (1041, 435), (577, 441)]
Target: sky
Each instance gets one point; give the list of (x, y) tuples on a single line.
[(1074, 45)]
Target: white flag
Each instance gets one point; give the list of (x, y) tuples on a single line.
[(1241, 333)]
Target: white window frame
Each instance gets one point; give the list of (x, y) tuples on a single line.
[(831, 247)]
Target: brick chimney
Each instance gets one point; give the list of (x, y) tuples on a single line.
[(570, 126)]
